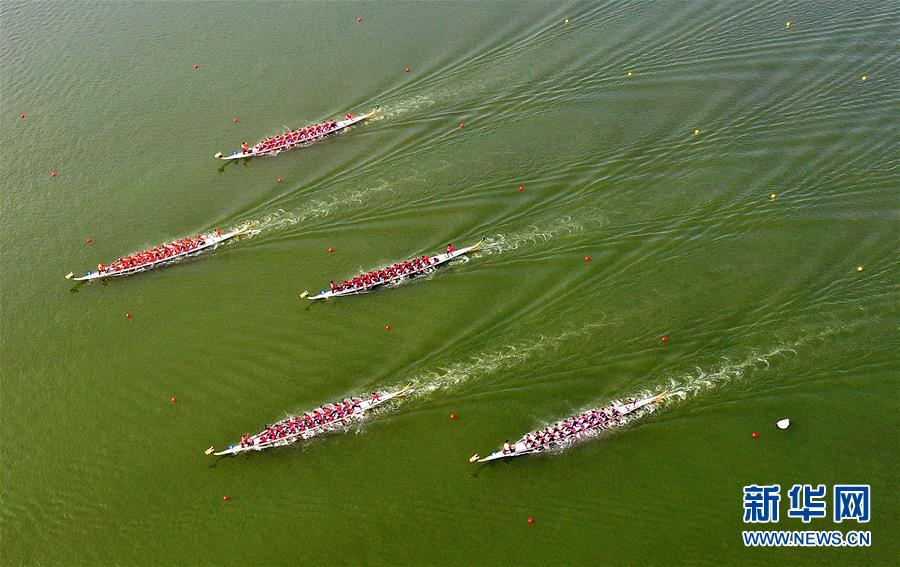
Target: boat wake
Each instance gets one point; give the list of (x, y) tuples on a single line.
[(500, 243), (483, 365), (281, 219), (728, 371)]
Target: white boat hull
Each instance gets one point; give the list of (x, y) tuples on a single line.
[(290, 439), (437, 260), (521, 449), (341, 125), (211, 241)]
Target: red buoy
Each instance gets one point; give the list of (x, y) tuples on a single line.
[(52, 174), (358, 20), (89, 240), (279, 180), (462, 124), (664, 339), (530, 520), (235, 120), (330, 250), (521, 187), (196, 66), (225, 498), (407, 69), (174, 399), (452, 416), (755, 435), (387, 327), (587, 258), (23, 116), (128, 315)]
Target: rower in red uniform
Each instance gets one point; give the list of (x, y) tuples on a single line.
[(348, 116), (245, 148), (375, 396), (333, 287), (450, 249)]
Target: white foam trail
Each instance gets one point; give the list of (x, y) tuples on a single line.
[(485, 364), (317, 209), (728, 370), (401, 107), (500, 243)]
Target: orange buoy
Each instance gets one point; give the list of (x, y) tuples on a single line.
[(196, 66), (521, 187), (387, 327), (235, 119), (174, 399), (89, 240), (225, 498), (452, 416), (587, 258), (407, 69), (52, 174), (279, 180), (128, 315), (530, 520), (755, 435), (330, 249)]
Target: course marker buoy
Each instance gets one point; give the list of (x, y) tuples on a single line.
[(788, 24), (783, 423), (23, 116), (235, 119), (279, 180), (567, 21), (664, 339), (772, 196), (587, 258), (128, 315), (89, 240), (387, 327), (174, 399), (225, 498), (452, 416), (865, 77), (52, 174), (859, 268), (696, 132), (407, 69), (196, 66), (330, 250), (462, 124), (358, 20), (530, 520), (521, 187), (630, 74), (755, 435)]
